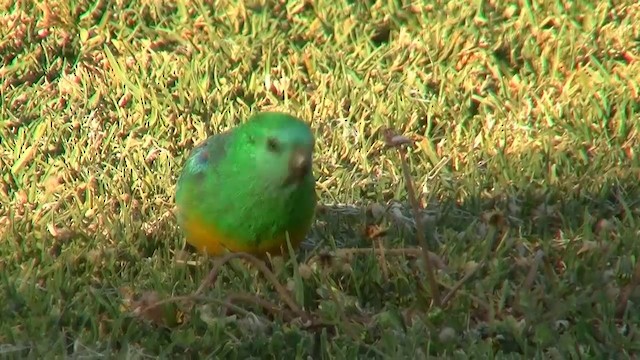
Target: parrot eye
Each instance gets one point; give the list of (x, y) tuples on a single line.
[(273, 145)]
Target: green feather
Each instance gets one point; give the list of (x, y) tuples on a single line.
[(236, 182)]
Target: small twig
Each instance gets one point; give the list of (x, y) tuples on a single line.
[(256, 300), (458, 285), (274, 309), (344, 319), (626, 292), (454, 289), (383, 259), (531, 276), (193, 298), (412, 252), (397, 142), (481, 303), (533, 271), (280, 289)]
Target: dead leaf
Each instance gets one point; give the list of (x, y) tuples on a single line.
[(305, 271), (59, 233), (392, 140), (543, 211), (470, 267), (52, 184), (148, 309), (603, 226), (152, 156), (494, 218), (590, 246), (373, 232), (252, 324)]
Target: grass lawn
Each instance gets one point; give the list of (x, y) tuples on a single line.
[(525, 117)]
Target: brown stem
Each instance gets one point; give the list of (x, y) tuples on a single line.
[(531, 276), (627, 291), (397, 142), (458, 285), (280, 289), (256, 300), (408, 252), (383, 259)]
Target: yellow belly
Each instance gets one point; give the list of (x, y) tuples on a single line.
[(208, 240)]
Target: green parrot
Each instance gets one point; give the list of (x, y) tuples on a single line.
[(245, 189)]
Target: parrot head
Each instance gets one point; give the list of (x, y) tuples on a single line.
[(282, 149)]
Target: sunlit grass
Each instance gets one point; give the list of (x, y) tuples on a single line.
[(526, 116)]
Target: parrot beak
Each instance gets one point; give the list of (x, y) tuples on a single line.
[(299, 165)]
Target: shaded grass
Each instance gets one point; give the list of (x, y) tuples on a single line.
[(527, 121)]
